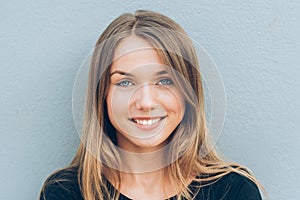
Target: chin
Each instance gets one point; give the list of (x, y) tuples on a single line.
[(144, 145)]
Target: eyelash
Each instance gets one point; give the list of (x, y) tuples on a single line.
[(129, 83)]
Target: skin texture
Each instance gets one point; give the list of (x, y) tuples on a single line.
[(142, 96)]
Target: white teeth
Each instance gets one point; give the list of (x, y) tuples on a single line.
[(147, 122)]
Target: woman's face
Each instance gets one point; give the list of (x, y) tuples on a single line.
[(143, 103)]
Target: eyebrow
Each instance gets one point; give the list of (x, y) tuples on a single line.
[(121, 73), (129, 74)]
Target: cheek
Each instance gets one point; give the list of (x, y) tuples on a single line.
[(172, 101), (117, 103)]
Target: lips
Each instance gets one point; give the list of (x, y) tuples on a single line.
[(147, 121)]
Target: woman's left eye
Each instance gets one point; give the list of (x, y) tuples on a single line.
[(165, 81)]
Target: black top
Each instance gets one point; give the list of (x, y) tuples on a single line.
[(230, 187)]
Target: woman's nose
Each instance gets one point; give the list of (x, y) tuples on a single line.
[(145, 97)]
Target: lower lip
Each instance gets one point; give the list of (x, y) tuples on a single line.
[(148, 127)]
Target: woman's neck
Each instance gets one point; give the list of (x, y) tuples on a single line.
[(151, 185)]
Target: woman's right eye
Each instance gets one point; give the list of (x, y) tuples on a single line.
[(124, 83)]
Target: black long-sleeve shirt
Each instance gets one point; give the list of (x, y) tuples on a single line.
[(63, 185)]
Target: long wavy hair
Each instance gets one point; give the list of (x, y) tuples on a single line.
[(192, 152)]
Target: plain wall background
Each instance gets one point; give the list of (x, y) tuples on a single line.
[(255, 44)]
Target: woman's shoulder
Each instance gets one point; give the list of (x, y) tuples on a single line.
[(62, 184), (230, 186)]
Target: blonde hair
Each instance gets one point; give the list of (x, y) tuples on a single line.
[(192, 133)]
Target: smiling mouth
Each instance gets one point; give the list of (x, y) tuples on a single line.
[(147, 121)]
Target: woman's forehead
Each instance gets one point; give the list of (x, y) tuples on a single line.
[(134, 52)]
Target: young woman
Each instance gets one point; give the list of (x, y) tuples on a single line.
[(144, 133)]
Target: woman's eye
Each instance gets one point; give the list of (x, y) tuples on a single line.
[(165, 81), (124, 83)]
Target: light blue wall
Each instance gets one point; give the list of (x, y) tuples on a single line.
[(255, 44)]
